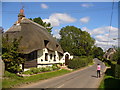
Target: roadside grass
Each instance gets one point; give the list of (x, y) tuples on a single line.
[(12, 80), (109, 81)]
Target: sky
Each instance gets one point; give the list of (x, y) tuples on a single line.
[(93, 17)]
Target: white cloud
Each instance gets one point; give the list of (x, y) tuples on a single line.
[(85, 20), (103, 30), (101, 36), (59, 18), (86, 5), (86, 29), (56, 34), (44, 6)]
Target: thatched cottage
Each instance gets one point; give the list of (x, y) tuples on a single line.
[(109, 53), (40, 48)]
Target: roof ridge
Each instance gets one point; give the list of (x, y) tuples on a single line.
[(35, 23)]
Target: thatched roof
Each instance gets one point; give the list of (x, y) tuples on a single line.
[(33, 35), (109, 53)]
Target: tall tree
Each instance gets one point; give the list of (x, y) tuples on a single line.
[(76, 41), (11, 55), (98, 52), (116, 56), (44, 24), (1, 32)]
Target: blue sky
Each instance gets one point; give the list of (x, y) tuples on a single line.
[(93, 17)]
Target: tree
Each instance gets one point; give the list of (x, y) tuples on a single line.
[(76, 41), (1, 31), (98, 52), (116, 56), (11, 55), (44, 24)]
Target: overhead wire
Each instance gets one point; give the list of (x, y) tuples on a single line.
[(110, 25)]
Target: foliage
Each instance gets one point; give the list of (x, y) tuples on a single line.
[(10, 75), (11, 80), (76, 41), (1, 31), (79, 62), (116, 56), (42, 69), (98, 52), (11, 55), (117, 71), (44, 24), (109, 81)]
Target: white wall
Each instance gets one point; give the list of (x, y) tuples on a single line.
[(41, 57), (63, 58)]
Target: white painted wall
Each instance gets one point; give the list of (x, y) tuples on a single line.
[(41, 57), (63, 58)]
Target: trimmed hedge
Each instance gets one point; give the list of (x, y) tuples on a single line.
[(79, 62), (115, 70)]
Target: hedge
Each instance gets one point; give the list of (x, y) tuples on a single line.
[(115, 70), (79, 62)]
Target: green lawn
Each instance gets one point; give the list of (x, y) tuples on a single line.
[(109, 81), (12, 80)]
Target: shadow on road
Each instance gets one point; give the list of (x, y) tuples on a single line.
[(94, 76)]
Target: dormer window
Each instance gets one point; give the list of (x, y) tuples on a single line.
[(46, 42), (57, 45)]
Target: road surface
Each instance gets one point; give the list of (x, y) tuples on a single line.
[(84, 78)]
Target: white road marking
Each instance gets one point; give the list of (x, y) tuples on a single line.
[(60, 86)]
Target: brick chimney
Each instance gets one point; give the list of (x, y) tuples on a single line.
[(20, 15)]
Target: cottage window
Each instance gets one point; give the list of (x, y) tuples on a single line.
[(46, 56), (41, 60), (46, 42), (32, 56), (54, 57), (57, 45), (50, 56)]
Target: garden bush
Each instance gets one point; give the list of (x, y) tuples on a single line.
[(117, 71), (8, 74), (115, 68), (42, 69), (79, 62)]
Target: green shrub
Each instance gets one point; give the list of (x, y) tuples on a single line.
[(79, 62), (8, 74), (117, 71), (35, 70), (55, 67), (48, 69), (11, 75), (42, 69), (27, 72)]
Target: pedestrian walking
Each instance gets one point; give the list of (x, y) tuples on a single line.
[(98, 70)]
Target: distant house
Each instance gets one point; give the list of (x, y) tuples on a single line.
[(109, 53), (39, 47)]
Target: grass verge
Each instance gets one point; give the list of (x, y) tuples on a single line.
[(12, 80), (109, 81)]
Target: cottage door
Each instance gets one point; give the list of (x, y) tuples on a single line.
[(66, 59)]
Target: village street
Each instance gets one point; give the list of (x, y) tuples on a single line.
[(84, 78)]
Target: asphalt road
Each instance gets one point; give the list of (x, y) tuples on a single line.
[(84, 78)]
